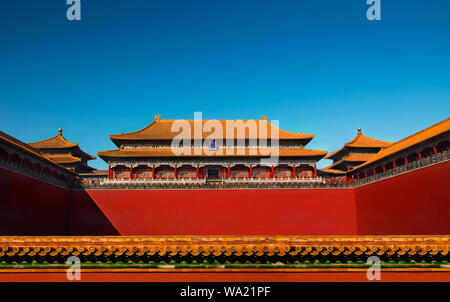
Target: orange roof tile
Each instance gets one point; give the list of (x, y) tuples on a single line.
[(167, 152), (55, 142), (352, 157), (59, 142), (364, 141), (162, 130), (332, 171), (95, 172), (361, 141), (68, 159), (414, 139), (63, 158)]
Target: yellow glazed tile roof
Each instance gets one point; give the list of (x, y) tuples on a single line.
[(423, 135)]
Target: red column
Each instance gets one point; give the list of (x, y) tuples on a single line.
[(294, 172), (175, 172), (228, 172), (272, 173), (315, 171), (131, 172), (384, 169), (406, 160), (250, 172), (434, 150), (374, 172), (109, 172), (153, 172), (197, 174), (420, 155), (365, 174), (394, 164)]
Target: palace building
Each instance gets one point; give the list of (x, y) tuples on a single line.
[(65, 153), (216, 211), (149, 154), (352, 154), (408, 153)]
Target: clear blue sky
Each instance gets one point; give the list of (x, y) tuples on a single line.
[(317, 66)]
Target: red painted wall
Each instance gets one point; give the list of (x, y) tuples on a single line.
[(86, 218), (31, 207), (414, 203), (417, 202), (228, 212)]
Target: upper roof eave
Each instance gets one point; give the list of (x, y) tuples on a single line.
[(161, 130), (166, 152), (55, 142), (359, 141), (332, 171), (352, 158), (59, 142)]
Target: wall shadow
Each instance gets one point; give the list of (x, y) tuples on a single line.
[(85, 217)]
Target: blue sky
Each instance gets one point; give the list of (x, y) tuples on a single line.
[(316, 66)]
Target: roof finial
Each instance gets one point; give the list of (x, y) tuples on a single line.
[(60, 131), (157, 117), (359, 131), (264, 117)]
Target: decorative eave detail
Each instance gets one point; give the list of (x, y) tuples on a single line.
[(167, 152), (330, 247)]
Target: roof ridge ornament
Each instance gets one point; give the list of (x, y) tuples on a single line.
[(359, 131), (264, 117), (60, 131), (157, 117)]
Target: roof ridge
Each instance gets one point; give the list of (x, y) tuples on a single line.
[(191, 121), (360, 135)]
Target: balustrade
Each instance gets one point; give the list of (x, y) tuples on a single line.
[(316, 182)]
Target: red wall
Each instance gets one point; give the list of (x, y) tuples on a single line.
[(86, 218), (228, 212), (417, 202), (31, 207), (412, 203)]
